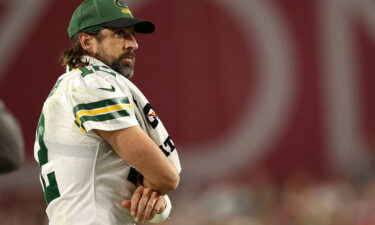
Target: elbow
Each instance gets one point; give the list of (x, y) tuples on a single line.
[(170, 184), (175, 181)]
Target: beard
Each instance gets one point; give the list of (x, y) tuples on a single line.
[(122, 67)]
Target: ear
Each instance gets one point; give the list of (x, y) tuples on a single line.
[(87, 42)]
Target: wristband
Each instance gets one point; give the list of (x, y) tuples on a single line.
[(164, 215)]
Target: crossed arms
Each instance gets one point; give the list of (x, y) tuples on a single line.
[(160, 175)]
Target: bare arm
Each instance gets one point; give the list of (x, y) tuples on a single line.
[(11, 142), (136, 147)]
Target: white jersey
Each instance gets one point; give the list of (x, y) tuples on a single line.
[(84, 180)]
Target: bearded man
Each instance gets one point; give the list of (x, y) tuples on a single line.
[(105, 157)]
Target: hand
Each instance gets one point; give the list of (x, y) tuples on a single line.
[(144, 204)]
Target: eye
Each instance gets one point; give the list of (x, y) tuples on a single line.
[(124, 34), (120, 33)]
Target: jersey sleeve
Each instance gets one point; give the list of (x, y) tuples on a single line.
[(99, 102)]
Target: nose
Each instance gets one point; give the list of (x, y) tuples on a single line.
[(131, 43)]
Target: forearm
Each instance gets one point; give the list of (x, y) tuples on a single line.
[(146, 157), (165, 186), (133, 145)]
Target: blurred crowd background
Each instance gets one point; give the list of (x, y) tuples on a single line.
[(299, 200), (269, 102)]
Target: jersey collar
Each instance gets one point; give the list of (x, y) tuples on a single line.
[(89, 59), (92, 61)]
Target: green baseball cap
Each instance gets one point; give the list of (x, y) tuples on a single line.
[(95, 15)]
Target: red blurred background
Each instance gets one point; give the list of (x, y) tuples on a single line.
[(278, 89)]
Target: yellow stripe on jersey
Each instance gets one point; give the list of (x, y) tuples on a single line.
[(100, 111), (95, 112)]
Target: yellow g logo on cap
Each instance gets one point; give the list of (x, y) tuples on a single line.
[(120, 4), (124, 8)]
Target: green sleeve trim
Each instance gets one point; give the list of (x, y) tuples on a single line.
[(100, 104)]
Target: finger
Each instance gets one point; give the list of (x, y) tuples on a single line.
[(150, 206), (142, 204), (137, 195), (126, 204), (158, 207)]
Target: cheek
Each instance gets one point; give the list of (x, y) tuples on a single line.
[(97, 49), (115, 51), (114, 48), (109, 50)]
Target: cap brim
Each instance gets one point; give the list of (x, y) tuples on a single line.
[(140, 26)]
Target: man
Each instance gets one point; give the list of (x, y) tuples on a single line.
[(11, 142), (100, 146)]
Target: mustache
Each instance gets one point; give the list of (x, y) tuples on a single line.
[(130, 55)]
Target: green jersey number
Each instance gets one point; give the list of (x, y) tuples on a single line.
[(51, 190)]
